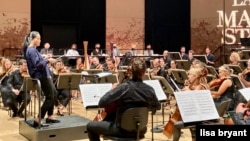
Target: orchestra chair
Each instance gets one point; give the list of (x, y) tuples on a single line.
[(133, 120)]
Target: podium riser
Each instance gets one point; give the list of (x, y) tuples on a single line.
[(70, 128)]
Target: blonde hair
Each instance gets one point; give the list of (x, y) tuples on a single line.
[(226, 68), (201, 76), (235, 55)]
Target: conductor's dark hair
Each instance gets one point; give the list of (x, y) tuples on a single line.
[(27, 40)]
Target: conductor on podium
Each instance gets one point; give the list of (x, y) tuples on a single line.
[(131, 94)]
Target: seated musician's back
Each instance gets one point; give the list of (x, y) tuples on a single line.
[(133, 93)]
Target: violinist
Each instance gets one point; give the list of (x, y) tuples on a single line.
[(133, 93), (17, 93), (79, 64), (245, 75), (64, 95), (242, 114), (225, 90), (234, 58), (157, 69), (197, 81), (5, 72)]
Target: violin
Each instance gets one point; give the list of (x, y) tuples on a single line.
[(24, 74), (215, 83)]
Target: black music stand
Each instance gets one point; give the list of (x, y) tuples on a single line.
[(32, 84), (180, 75), (243, 63), (236, 68), (167, 89), (212, 71), (237, 83), (183, 64), (246, 53), (97, 77), (202, 58), (175, 55), (245, 41), (113, 78), (69, 81)]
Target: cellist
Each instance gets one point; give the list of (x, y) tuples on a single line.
[(196, 81)]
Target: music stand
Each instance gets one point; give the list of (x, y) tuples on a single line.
[(235, 68), (97, 77), (93, 71), (183, 64), (146, 77), (113, 78), (243, 63), (246, 53), (180, 75), (166, 86), (69, 81), (175, 55), (202, 58), (212, 71), (245, 41), (238, 84)]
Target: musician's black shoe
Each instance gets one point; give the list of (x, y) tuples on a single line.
[(59, 113), (52, 120), (35, 124)]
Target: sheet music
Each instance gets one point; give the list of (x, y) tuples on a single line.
[(158, 89), (245, 93), (103, 74), (196, 105), (91, 93)]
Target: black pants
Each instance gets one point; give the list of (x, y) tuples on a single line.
[(13, 100), (50, 94), (95, 129), (63, 97), (5, 94)]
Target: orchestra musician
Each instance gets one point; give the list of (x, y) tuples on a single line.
[(210, 57), (234, 58), (225, 86), (5, 72), (17, 93), (245, 75), (38, 69), (64, 95), (242, 114), (133, 93), (157, 69), (96, 64), (197, 81), (79, 64)]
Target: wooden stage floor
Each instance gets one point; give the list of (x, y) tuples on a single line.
[(9, 127)]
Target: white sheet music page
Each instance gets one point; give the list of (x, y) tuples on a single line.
[(245, 93), (103, 74), (196, 105), (158, 89), (91, 93)]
